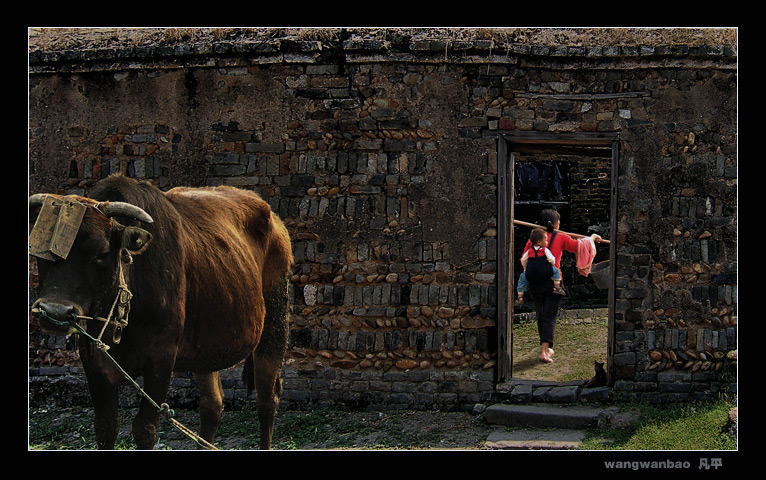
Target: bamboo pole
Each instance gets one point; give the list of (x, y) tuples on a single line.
[(573, 235)]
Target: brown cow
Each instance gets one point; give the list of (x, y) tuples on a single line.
[(207, 270)]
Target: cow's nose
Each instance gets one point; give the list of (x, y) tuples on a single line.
[(54, 310)]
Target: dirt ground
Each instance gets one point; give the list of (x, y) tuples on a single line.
[(320, 430)]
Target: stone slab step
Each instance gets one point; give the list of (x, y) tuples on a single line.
[(546, 416), (556, 439)]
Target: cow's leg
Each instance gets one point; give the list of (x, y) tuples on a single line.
[(146, 423), (268, 389), (210, 404), (268, 357), (104, 396), (103, 381)]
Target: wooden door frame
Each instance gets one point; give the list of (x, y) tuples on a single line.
[(605, 145)]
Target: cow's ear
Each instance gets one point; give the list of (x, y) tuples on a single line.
[(135, 239)]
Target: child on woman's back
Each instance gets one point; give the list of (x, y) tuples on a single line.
[(539, 250)]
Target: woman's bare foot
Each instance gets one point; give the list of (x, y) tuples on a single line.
[(546, 354)]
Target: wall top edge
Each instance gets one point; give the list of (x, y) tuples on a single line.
[(69, 46)]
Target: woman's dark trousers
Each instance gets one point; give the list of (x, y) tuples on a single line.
[(547, 306)]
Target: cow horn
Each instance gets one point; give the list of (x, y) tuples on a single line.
[(37, 199), (123, 209)]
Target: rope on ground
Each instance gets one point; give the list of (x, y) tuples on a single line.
[(164, 409)]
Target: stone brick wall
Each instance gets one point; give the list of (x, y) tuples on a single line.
[(377, 151)]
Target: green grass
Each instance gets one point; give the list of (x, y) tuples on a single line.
[(293, 430), (578, 344), (337, 429), (65, 431), (688, 426)]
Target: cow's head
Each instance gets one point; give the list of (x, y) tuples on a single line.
[(85, 280)]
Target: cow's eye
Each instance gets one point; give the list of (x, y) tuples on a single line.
[(96, 249), (103, 256)]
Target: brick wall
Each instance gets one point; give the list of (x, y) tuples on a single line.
[(376, 155)]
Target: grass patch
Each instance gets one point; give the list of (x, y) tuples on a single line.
[(578, 344), (67, 430), (336, 429), (687, 426), (297, 429)]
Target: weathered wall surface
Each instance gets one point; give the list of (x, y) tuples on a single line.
[(679, 236), (375, 151)]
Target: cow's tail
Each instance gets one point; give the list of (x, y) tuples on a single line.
[(248, 373)]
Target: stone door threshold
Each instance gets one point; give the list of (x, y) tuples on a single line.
[(539, 391)]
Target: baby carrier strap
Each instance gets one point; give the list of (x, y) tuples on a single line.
[(553, 237)]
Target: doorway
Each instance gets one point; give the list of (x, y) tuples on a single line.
[(575, 174)]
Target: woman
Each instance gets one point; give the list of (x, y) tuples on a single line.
[(546, 300)]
